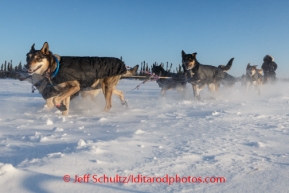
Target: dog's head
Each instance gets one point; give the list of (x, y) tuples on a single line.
[(251, 70), (189, 60), (38, 60), (158, 69)]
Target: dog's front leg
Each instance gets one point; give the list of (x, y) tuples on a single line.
[(66, 102), (196, 91), (66, 90)]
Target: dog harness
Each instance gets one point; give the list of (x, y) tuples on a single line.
[(86, 69)]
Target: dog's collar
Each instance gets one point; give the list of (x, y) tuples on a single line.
[(57, 68)]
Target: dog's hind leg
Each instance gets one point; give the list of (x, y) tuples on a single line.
[(107, 96), (107, 91), (107, 87)]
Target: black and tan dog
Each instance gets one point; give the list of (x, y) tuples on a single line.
[(200, 75), (48, 92), (254, 77), (175, 81), (69, 75)]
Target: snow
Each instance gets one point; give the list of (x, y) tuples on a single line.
[(240, 136)]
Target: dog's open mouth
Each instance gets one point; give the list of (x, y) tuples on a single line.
[(32, 71)]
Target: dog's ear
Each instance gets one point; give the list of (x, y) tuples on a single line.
[(45, 49), (32, 48), (183, 53), (194, 54), (248, 65)]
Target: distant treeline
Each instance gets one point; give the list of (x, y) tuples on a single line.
[(144, 68), (8, 71)]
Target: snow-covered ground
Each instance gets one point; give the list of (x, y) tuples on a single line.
[(241, 137)]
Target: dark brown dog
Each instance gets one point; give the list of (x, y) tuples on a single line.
[(200, 75), (173, 81)]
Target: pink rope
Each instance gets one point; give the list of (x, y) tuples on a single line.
[(152, 77)]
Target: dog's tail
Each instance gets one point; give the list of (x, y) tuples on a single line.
[(227, 67), (131, 71)]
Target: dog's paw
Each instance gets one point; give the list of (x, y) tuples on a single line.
[(124, 104), (61, 107)]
